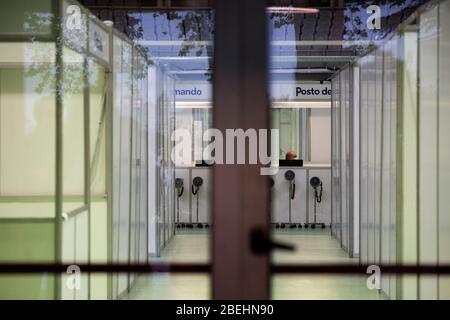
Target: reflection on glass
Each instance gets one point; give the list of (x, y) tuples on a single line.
[(27, 161), (386, 112), (179, 42), (57, 119)]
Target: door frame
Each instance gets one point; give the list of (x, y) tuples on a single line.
[(240, 193)]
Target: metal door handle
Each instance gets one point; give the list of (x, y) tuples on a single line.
[(263, 244)]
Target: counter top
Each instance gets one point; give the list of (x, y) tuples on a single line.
[(306, 165)]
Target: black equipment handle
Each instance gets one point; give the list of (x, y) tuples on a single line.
[(292, 190), (318, 195), (179, 185), (316, 183), (196, 184)]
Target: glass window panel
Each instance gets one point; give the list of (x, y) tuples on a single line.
[(428, 144), (24, 17), (125, 76), (27, 161), (97, 116), (73, 130), (27, 105), (444, 150)]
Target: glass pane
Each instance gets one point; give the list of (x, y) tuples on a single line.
[(23, 17), (73, 130), (27, 160), (444, 155), (99, 222), (129, 163), (122, 161), (428, 142), (374, 198), (179, 42), (100, 124), (75, 225)]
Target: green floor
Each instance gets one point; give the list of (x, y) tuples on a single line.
[(312, 246)]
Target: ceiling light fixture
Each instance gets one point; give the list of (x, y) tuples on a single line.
[(292, 10)]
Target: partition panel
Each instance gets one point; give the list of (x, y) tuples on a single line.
[(337, 167), (125, 163), (334, 155), (343, 94), (444, 150), (393, 171), (98, 186), (428, 149), (135, 155), (379, 68), (55, 148), (24, 18), (386, 139), (144, 201), (116, 152), (364, 180), (74, 204), (371, 128), (27, 159)]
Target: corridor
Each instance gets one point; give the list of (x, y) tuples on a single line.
[(150, 146), (311, 247)]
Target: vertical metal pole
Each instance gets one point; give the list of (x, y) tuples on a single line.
[(178, 209), (290, 202), (315, 208), (340, 156), (240, 193), (197, 195)]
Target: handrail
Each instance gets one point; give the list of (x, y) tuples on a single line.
[(69, 215)]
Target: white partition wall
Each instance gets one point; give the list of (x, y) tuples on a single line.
[(407, 171), (343, 168), (336, 162), (444, 153), (377, 108), (363, 164), (70, 180), (161, 172), (388, 205), (404, 158), (129, 160), (428, 149)]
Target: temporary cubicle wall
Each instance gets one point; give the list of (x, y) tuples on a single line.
[(364, 158), (345, 159), (64, 139), (404, 152), (161, 174)]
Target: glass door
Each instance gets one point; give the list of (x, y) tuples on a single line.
[(365, 77)]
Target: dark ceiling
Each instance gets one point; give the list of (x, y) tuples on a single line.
[(182, 31)]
